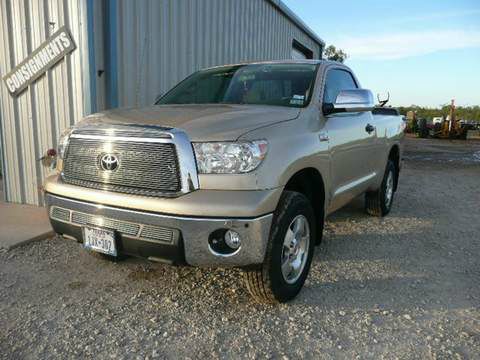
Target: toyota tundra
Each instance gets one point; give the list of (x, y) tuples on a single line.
[(236, 166)]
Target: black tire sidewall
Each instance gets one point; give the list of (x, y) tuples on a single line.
[(297, 205), (390, 168)]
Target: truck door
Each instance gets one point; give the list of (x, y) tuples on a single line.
[(351, 142)]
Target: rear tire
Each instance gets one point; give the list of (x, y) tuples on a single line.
[(289, 252), (379, 203)]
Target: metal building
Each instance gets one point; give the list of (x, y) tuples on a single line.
[(124, 53)]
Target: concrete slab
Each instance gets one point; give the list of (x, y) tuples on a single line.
[(20, 224)]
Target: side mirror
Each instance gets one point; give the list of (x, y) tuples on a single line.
[(356, 100)]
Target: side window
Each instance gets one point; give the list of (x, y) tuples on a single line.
[(336, 81)]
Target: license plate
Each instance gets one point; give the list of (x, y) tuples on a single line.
[(100, 240)]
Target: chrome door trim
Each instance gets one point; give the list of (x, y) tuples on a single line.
[(354, 183)]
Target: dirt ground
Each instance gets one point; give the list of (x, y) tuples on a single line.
[(405, 286)]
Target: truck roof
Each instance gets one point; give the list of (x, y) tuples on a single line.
[(288, 61)]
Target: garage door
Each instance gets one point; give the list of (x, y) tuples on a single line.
[(300, 51)]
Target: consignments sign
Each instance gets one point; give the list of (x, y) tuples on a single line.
[(37, 63)]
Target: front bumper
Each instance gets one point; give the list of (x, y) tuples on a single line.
[(168, 238), (199, 203)]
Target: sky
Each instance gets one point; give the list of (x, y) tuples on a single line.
[(423, 52)]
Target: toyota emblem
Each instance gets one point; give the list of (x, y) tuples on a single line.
[(109, 162)]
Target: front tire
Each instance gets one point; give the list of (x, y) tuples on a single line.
[(379, 203), (289, 252)]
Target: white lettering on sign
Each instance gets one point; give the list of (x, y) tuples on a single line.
[(37, 63)]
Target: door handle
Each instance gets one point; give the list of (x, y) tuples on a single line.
[(369, 128), (323, 136)]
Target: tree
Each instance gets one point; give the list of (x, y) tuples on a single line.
[(332, 53)]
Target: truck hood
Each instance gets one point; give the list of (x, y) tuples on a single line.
[(216, 122)]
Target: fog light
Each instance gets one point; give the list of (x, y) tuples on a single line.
[(224, 242), (232, 239)]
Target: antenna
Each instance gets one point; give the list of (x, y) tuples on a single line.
[(383, 102)]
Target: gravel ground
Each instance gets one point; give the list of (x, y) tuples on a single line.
[(406, 286)]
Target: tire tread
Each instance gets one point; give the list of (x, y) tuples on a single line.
[(257, 279), (374, 200)]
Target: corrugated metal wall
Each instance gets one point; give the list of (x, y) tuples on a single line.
[(161, 42), (32, 121), (137, 50)]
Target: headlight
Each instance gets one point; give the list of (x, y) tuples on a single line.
[(62, 147), (229, 157), (63, 142)]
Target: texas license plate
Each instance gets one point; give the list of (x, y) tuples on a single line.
[(100, 240)]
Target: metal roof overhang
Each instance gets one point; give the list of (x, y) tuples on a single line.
[(296, 20)]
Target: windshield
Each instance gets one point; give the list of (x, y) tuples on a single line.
[(261, 84)]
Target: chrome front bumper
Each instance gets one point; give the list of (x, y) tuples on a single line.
[(163, 237)]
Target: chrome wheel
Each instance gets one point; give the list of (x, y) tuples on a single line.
[(389, 189), (295, 249)]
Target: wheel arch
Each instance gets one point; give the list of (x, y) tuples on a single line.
[(310, 182), (394, 156)]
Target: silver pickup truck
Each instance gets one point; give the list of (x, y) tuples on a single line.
[(237, 165)]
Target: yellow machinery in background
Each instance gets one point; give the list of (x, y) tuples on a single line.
[(450, 128)]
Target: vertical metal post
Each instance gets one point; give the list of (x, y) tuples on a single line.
[(2, 162), (110, 42), (91, 57)]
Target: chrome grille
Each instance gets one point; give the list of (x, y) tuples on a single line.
[(145, 168), (60, 214), (155, 232), (144, 131), (121, 226), (143, 232)]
